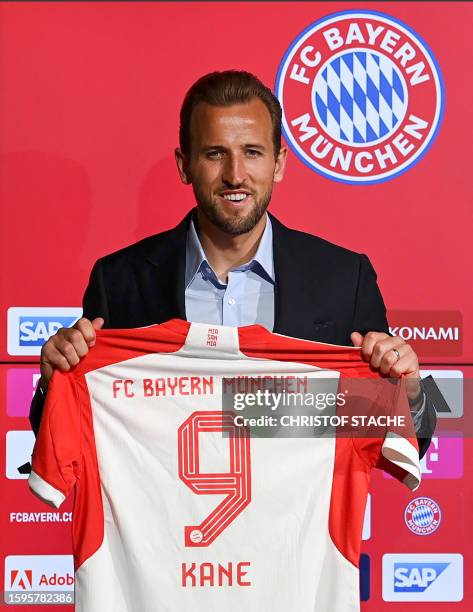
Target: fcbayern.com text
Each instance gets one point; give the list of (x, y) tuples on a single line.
[(40, 517)]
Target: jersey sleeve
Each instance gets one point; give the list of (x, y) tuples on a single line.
[(393, 448), (56, 460)]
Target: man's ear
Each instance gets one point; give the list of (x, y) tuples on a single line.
[(182, 166), (280, 165)]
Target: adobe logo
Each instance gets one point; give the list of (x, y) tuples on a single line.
[(21, 579)]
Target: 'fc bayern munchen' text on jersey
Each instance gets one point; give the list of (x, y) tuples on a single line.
[(180, 504)]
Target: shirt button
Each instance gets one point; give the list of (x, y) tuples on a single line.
[(231, 301)]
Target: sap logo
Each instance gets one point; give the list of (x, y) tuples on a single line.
[(416, 577), (29, 328), (422, 577), (35, 331)]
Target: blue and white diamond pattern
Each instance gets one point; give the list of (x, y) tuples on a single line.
[(360, 97), (423, 516)]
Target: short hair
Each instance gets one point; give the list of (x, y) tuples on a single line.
[(225, 89)]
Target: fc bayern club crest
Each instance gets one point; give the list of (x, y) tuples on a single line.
[(422, 516), (362, 97)]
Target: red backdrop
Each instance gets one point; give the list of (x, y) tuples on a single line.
[(89, 120)]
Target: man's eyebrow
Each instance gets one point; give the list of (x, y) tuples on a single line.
[(212, 146), (217, 147), (248, 145)]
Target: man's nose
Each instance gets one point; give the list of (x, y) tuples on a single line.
[(234, 171)]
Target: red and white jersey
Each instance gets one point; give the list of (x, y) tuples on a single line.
[(176, 508)]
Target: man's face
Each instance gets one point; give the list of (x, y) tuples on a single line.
[(232, 166)]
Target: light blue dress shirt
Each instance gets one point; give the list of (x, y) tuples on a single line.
[(248, 296)]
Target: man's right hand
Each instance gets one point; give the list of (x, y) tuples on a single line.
[(67, 347)]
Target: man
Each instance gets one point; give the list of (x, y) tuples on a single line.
[(229, 262)]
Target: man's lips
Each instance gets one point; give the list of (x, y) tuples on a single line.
[(234, 191)]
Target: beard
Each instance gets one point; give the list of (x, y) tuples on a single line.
[(237, 224)]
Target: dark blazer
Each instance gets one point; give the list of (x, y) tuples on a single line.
[(322, 291)]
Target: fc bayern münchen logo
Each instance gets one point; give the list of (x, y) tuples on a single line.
[(362, 97), (422, 516)]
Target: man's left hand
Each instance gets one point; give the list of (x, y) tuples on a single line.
[(392, 357)]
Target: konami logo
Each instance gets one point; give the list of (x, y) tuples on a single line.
[(433, 333), (427, 333), (39, 573)]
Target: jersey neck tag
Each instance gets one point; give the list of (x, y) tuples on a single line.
[(211, 341)]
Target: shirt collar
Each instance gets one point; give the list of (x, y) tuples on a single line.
[(262, 263), (195, 255), (264, 253)]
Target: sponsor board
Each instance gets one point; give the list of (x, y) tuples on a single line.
[(366, 533), (30, 327), (431, 333), (365, 577), (451, 385), (423, 577), (21, 385), (31, 578), (19, 448), (443, 459)]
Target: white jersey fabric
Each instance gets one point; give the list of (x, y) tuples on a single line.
[(172, 515)]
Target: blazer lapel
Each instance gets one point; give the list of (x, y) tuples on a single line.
[(168, 276), (295, 292)]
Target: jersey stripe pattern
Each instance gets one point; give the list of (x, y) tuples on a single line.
[(178, 508)]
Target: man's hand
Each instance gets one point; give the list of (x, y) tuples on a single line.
[(377, 348), (67, 347)]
